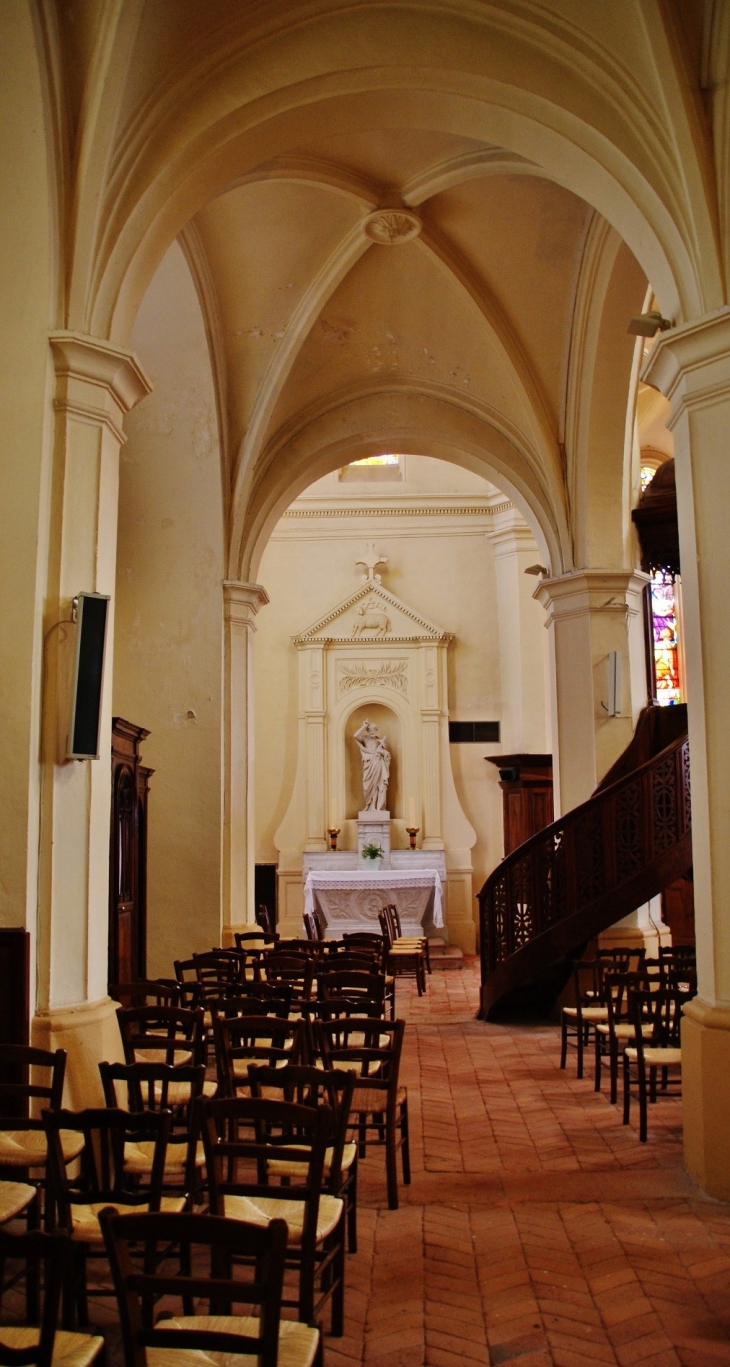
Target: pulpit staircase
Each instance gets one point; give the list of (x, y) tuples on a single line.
[(578, 876)]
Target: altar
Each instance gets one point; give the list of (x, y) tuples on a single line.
[(350, 899)]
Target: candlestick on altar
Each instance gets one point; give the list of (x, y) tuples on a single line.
[(412, 833), (333, 833)]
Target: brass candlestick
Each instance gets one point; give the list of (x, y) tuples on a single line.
[(412, 833), (333, 833)]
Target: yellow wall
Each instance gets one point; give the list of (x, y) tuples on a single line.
[(168, 614)]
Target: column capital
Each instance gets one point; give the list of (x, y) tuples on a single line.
[(509, 533), (690, 365), (594, 590), (93, 361), (241, 602)]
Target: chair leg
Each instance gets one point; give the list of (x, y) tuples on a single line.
[(352, 1210), (32, 1269), (405, 1152), (627, 1089), (337, 1322), (563, 1042), (82, 1304), (613, 1065), (642, 1103), (390, 1165), (580, 1043), (598, 1042)]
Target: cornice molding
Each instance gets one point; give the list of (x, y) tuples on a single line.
[(593, 590), (90, 360), (443, 509), (241, 602)]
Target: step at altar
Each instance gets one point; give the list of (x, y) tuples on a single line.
[(444, 956)]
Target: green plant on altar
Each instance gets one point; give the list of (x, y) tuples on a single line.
[(372, 851)]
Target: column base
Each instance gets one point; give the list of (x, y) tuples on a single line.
[(706, 1095), (90, 1035)]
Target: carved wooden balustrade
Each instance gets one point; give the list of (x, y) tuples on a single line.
[(579, 876)]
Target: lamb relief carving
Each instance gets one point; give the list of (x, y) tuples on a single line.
[(371, 619)]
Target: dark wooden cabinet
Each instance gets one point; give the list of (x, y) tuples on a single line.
[(527, 795), (128, 855)]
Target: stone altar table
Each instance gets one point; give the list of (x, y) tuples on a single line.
[(351, 899)]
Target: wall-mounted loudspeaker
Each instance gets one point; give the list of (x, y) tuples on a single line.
[(91, 615)]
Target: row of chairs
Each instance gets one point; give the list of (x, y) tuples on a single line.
[(630, 1008)]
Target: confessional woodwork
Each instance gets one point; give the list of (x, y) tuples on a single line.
[(527, 795), (128, 855)]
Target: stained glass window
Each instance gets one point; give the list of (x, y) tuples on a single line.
[(647, 474), (377, 460), (666, 643)]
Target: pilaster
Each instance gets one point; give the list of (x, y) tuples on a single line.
[(521, 656), (589, 614), (241, 602), (691, 366)]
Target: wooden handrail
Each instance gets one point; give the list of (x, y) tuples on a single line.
[(583, 873)]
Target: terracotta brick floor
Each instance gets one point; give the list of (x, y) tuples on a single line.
[(537, 1230)]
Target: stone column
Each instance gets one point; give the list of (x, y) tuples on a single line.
[(521, 653), (96, 384), (589, 614), (241, 602), (691, 366)]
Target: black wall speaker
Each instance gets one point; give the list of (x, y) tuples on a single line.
[(91, 615)]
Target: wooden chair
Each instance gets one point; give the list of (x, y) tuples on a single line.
[(23, 1148), (365, 939), (403, 941), (293, 971), (254, 939), (612, 1035), (312, 928), (241, 1138), (146, 992), (403, 961), (146, 1087), (657, 1049), (265, 920), (165, 1034), (372, 1049), (306, 1086), (245, 1268), (103, 1180), (579, 1020), (47, 1345), (242, 1040), (353, 983)]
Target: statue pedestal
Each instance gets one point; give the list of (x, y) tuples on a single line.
[(373, 828)]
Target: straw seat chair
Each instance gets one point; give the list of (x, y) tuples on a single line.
[(372, 1050), (103, 1180), (45, 1345), (241, 1040), (241, 1137), (165, 1034), (612, 1035), (243, 1267), (404, 960), (656, 1054), (145, 1087), (577, 1021)]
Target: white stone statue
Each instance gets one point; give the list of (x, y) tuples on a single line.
[(375, 766)]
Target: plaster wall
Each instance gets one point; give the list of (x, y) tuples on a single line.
[(168, 614), (442, 564), (25, 287)]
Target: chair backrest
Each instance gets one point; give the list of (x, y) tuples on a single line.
[(315, 1087), (255, 1254), (102, 1176), (228, 1008), (265, 919), (254, 939), (311, 928), (658, 1018), (53, 1251), (386, 927), (241, 1135), (308, 949), (687, 953), (370, 1048), (253, 1039), (147, 1087), (350, 982), (587, 982), (146, 992), (19, 1096), (295, 970), (355, 941), (190, 993), (394, 916), (162, 1034), (359, 961)]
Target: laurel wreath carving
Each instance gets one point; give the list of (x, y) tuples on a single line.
[(391, 674)]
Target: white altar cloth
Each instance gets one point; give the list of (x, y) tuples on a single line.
[(351, 899)]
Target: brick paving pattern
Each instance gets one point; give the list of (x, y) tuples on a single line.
[(537, 1229)]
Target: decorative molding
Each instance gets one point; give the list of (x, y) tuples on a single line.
[(383, 674), (423, 629), (407, 510), (392, 227), (241, 602)]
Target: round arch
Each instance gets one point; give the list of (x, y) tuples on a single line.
[(414, 422)]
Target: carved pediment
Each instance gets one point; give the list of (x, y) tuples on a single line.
[(370, 614)]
